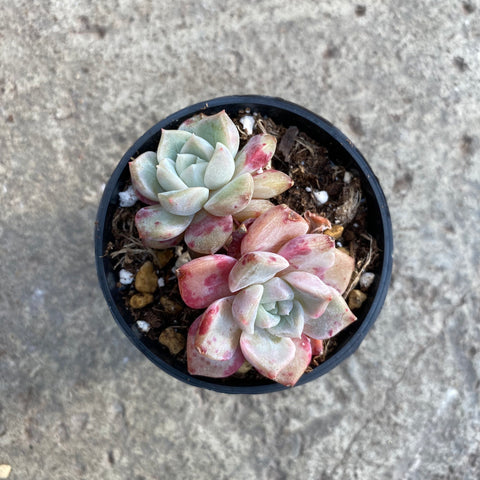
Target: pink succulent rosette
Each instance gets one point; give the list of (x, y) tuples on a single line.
[(198, 182), (278, 298)]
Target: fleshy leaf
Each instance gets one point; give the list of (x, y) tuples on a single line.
[(272, 229), (167, 176), (253, 210), (207, 233), (214, 128), (184, 202), (268, 354), (143, 172), (314, 253), (338, 276), (156, 224), (220, 168), (255, 267), (171, 142), (270, 183), (199, 364), (291, 325), (204, 280), (231, 198), (290, 375), (336, 317), (284, 307), (184, 160), (317, 223), (218, 333), (266, 319), (313, 294), (317, 346), (245, 306), (194, 174), (255, 154), (275, 290), (198, 146)]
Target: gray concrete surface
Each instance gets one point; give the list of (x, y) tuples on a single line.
[(81, 80)]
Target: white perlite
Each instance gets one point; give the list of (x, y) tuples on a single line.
[(321, 197), (347, 177), (125, 277), (143, 326), (161, 282), (247, 123), (366, 279), (128, 198)]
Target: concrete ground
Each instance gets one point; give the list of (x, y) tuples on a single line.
[(81, 80)]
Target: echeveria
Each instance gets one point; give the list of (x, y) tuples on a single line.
[(284, 289), (198, 182)]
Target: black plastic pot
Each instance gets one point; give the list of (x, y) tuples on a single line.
[(341, 151)]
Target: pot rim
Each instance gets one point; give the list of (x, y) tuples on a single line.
[(242, 102)]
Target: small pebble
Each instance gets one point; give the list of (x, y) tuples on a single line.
[(173, 340), (143, 326), (335, 232), (128, 198), (146, 279), (248, 123), (5, 470), (355, 299), (126, 277), (320, 197), (140, 300), (161, 282), (308, 189), (246, 367), (366, 280)]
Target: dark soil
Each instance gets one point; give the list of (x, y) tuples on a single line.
[(309, 166)]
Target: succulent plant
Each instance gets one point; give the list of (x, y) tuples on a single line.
[(198, 182), (271, 304)]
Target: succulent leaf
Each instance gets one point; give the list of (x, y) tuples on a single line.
[(253, 210), (199, 364), (154, 223), (214, 128), (184, 202), (255, 155), (207, 234), (231, 198), (290, 375), (313, 294), (218, 333), (338, 276), (183, 161), (276, 290), (267, 353), (245, 306), (167, 175), (220, 168), (265, 318), (272, 229), (194, 174), (291, 325), (143, 172), (204, 280), (255, 267), (313, 253), (171, 142), (336, 317), (270, 183), (198, 146)]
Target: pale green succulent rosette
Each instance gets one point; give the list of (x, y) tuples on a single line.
[(198, 182)]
